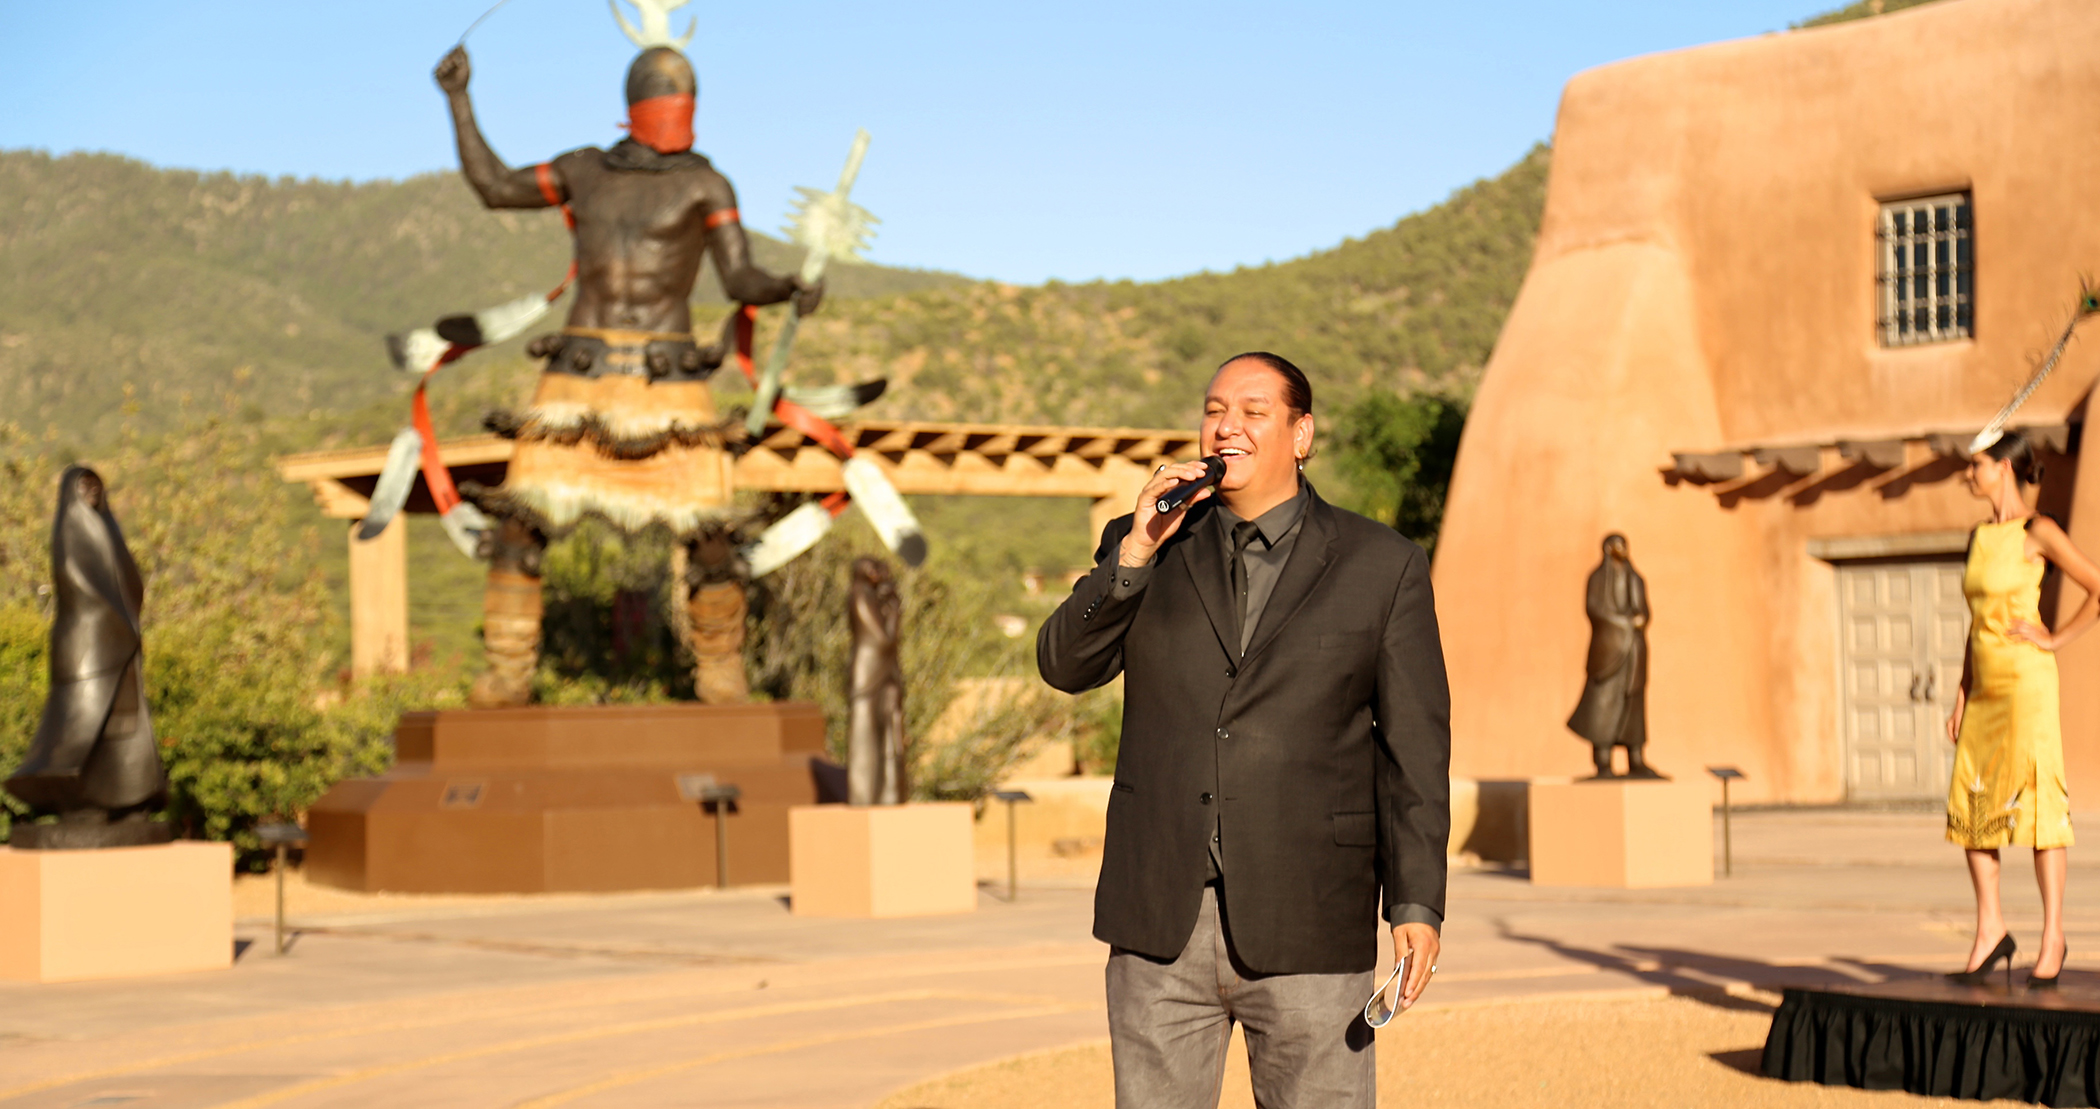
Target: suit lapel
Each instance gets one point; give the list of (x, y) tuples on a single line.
[(1202, 553), (1310, 556)]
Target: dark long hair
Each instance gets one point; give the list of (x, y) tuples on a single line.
[(2014, 448), (1297, 392)]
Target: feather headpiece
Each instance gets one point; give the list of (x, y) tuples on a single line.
[(2088, 304)]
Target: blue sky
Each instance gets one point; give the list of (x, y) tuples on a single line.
[(1024, 142)]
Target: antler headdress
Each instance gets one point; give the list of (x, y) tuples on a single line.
[(656, 23)]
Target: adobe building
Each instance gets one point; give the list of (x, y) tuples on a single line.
[(1779, 284)]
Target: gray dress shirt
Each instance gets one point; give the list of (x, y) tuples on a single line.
[(1264, 559)]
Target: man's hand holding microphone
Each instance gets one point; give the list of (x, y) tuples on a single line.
[(1151, 527)]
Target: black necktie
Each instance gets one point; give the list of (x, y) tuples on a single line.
[(1243, 533)]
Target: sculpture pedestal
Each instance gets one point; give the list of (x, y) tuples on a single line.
[(882, 860), (117, 912), (1621, 834), (597, 798)]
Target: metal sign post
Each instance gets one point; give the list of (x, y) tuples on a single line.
[(1013, 866), (720, 799), (1727, 774), (283, 837)]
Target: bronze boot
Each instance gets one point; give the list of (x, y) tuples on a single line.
[(510, 633), (716, 610)]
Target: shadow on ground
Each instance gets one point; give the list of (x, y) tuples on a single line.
[(1705, 977)]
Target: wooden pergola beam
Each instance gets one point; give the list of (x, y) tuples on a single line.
[(1106, 465)]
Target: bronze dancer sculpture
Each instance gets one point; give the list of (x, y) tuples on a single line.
[(93, 763), (875, 741), (1613, 711), (622, 425)]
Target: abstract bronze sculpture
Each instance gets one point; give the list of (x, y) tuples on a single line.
[(875, 740), (1613, 711), (93, 763)]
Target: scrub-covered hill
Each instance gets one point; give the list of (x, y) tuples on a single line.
[(1413, 307), (120, 282)]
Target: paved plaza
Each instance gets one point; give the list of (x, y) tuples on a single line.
[(726, 999)]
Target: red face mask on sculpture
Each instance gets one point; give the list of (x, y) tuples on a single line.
[(662, 123)]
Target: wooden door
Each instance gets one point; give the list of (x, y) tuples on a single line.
[(1903, 626)]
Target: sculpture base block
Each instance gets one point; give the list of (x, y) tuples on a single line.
[(1621, 833), (115, 913), (82, 836), (571, 799), (882, 861)]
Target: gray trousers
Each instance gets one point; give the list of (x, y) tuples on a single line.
[(1169, 1025)]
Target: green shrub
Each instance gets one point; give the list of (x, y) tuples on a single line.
[(607, 635)]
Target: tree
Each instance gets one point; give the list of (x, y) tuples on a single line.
[(1395, 455)]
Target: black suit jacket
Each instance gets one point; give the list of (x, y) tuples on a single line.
[(1324, 752)]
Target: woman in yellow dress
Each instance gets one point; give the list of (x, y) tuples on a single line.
[(2008, 782)]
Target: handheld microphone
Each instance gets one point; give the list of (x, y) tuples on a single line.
[(1213, 472)]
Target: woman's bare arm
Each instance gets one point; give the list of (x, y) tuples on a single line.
[(1961, 697), (2049, 541)]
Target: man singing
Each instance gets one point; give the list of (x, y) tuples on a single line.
[(1284, 765)]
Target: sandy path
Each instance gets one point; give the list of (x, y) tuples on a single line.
[(1665, 1053)]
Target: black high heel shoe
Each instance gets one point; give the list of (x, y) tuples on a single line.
[(1976, 977), (2035, 982)]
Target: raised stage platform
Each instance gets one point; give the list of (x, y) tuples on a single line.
[(585, 799), (1931, 1037)]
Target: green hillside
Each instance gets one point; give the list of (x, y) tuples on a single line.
[(120, 281), (1413, 307), (1864, 9), (136, 300)]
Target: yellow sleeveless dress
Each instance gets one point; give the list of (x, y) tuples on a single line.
[(2008, 782)]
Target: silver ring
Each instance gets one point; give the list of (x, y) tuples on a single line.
[(1432, 968), (1162, 468)]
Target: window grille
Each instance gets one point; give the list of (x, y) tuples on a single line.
[(1927, 270)]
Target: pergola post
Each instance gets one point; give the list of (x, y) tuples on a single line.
[(379, 601)]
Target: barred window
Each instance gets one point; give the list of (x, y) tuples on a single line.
[(1928, 275)]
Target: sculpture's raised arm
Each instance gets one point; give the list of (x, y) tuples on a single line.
[(499, 185)]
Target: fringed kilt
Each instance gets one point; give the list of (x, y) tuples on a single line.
[(613, 443)]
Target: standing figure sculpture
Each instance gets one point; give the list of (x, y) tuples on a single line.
[(622, 424), (875, 741), (1613, 711), (93, 762)]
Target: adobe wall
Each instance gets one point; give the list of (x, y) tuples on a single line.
[(1705, 280)]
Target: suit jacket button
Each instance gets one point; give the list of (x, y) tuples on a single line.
[(1231, 673), (1224, 734), (1205, 798)]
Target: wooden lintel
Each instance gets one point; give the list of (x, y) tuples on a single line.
[(1146, 448), (921, 473), (894, 440), (368, 461), (338, 501), (923, 458), (1098, 446), (992, 444)]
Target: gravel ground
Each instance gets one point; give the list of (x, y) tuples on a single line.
[(1660, 1052)]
